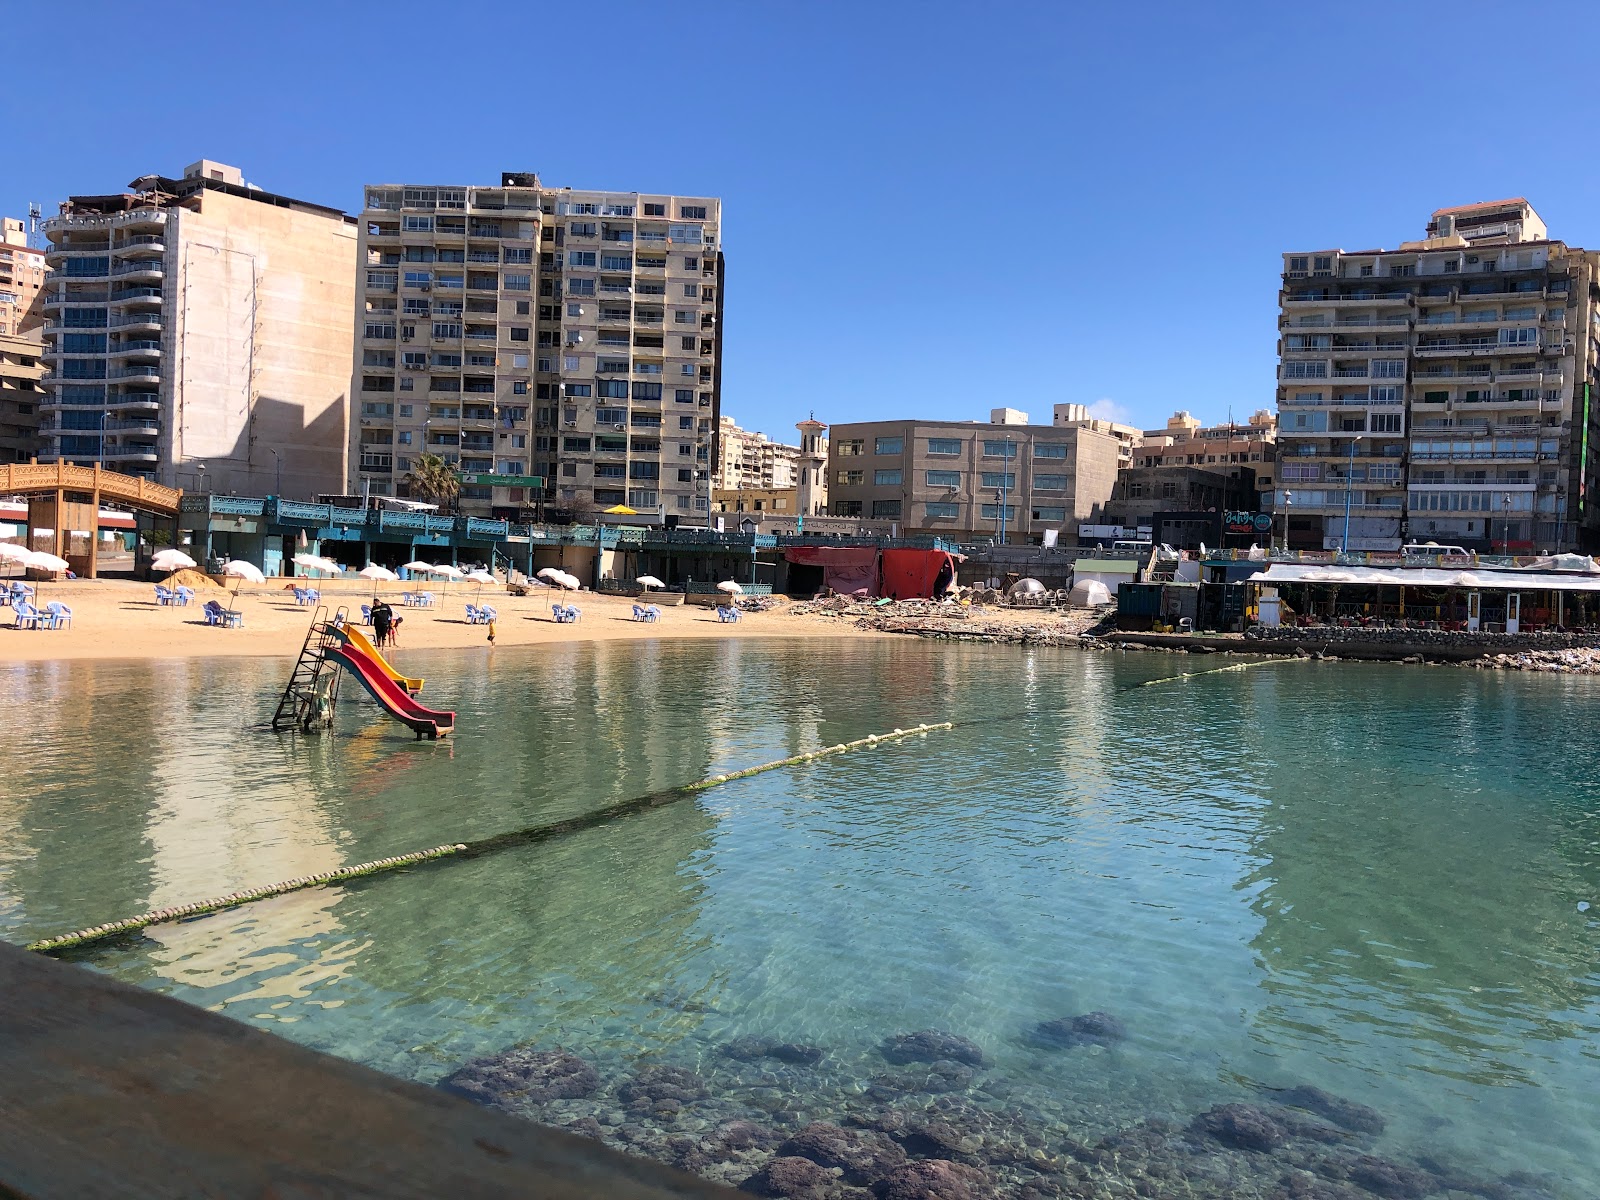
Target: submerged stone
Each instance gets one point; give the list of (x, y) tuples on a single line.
[(1392, 1179), (797, 1178), (946, 1075), (1243, 1126), (650, 1087), (934, 1179), (862, 1155), (931, 1045), (1086, 1029), (1346, 1113), (524, 1076), (752, 1049)]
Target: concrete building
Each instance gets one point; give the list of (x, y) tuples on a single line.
[(970, 480), (199, 335), (22, 275), (1442, 390), (20, 393), (753, 460), (811, 482), (1144, 491), (563, 345), (1076, 416), (1186, 443)]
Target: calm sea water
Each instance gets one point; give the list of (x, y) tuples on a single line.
[(1369, 878)]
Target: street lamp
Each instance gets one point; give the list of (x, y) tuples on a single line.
[(1005, 479), (277, 465), (1288, 499), (1505, 512), (1349, 484), (999, 517)]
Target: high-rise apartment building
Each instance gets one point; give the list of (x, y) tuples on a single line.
[(1442, 391), (20, 394), (564, 346), (753, 460), (972, 480), (22, 271), (199, 335)]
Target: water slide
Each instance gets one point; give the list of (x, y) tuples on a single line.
[(394, 699), (363, 643)]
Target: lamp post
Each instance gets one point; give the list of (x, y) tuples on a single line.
[(277, 468), (1349, 485), (999, 517), (1505, 515), (1005, 479), (1288, 499)]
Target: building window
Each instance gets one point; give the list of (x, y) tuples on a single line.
[(655, 210), (1049, 483), (848, 449), (999, 479), (411, 224), (999, 448), (519, 387), (1050, 450), (942, 508), (851, 478), (889, 445), (944, 445), (886, 508), (419, 279), (691, 291), (886, 478), (1056, 515), (518, 283), (991, 512), (847, 508), (692, 212), (943, 479)]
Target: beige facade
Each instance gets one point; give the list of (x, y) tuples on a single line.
[(1185, 442), (21, 368), (971, 480), (811, 469), (22, 276), (1076, 416), (1442, 391), (769, 501), (200, 334), (545, 334), (753, 460)]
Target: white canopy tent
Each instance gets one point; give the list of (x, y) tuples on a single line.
[(1433, 577)]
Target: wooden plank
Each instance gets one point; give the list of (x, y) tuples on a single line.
[(108, 1090)]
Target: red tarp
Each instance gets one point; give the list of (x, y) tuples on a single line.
[(845, 569), (913, 574)]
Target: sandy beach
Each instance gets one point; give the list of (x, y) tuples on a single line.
[(115, 619)]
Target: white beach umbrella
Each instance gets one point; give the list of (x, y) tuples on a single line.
[(649, 581), (547, 572), (40, 561), (315, 562), (245, 572), (11, 552), (570, 582), (375, 572), (729, 586), (479, 577), (171, 560), (447, 571), (418, 568)]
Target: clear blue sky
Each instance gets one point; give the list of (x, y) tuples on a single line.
[(930, 209)]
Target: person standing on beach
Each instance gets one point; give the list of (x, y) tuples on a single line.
[(382, 618)]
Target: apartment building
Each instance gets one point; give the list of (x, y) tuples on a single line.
[(1441, 391), (753, 460), (20, 393), (1004, 478), (1076, 416), (562, 346), (22, 271), (199, 335), (1185, 442)]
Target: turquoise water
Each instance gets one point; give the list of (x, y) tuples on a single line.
[(1372, 879)]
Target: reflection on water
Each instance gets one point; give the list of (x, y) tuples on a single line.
[(1363, 878)]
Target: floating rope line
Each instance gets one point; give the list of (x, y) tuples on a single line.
[(1265, 662), (488, 845)]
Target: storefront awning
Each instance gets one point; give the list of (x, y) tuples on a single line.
[(1483, 581)]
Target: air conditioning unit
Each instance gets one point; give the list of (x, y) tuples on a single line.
[(619, 426)]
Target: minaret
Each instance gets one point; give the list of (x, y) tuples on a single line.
[(812, 498)]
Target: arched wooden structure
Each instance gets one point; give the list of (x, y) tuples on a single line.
[(55, 480)]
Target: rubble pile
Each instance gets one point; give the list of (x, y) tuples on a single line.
[(1577, 661)]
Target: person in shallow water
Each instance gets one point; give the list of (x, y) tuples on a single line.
[(382, 619)]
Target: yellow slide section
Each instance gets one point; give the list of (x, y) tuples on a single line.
[(364, 644)]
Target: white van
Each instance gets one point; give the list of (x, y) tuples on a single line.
[(1434, 548), (1136, 548)]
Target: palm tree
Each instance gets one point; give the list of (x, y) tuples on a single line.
[(431, 478)]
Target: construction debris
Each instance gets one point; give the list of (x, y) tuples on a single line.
[(1578, 661)]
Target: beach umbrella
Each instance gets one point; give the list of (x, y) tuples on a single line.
[(480, 578), (380, 574), (547, 572), (315, 562), (418, 568), (729, 586), (244, 572), (40, 561), (649, 581), (171, 560), (447, 571), (570, 582), (10, 552)]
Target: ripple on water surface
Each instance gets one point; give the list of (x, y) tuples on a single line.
[(1366, 879)]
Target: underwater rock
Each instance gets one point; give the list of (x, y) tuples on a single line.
[(1243, 1126), (1345, 1113), (934, 1179), (862, 1155), (931, 1045), (946, 1075), (795, 1178), (524, 1076), (1390, 1178), (1086, 1029), (651, 1087), (938, 1139), (752, 1048)]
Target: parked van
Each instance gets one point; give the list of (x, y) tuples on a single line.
[(1434, 548), (1137, 548)]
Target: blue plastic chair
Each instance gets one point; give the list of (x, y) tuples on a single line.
[(57, 615), (26, 615), (182, 595), (165, 595)]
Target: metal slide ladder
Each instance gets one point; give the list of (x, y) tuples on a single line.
[(312, 693)]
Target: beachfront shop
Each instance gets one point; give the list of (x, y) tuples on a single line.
[(269, 532), (1487, 601)]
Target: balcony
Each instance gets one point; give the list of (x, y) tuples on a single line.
[(144, 348), (1386, 299), (107, 221), (75, 299), (146, 371), (141, 401), (145, 454), (140, 268), (143, 295), (377, 462)]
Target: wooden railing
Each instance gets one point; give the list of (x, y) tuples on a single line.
[(21, 479)]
